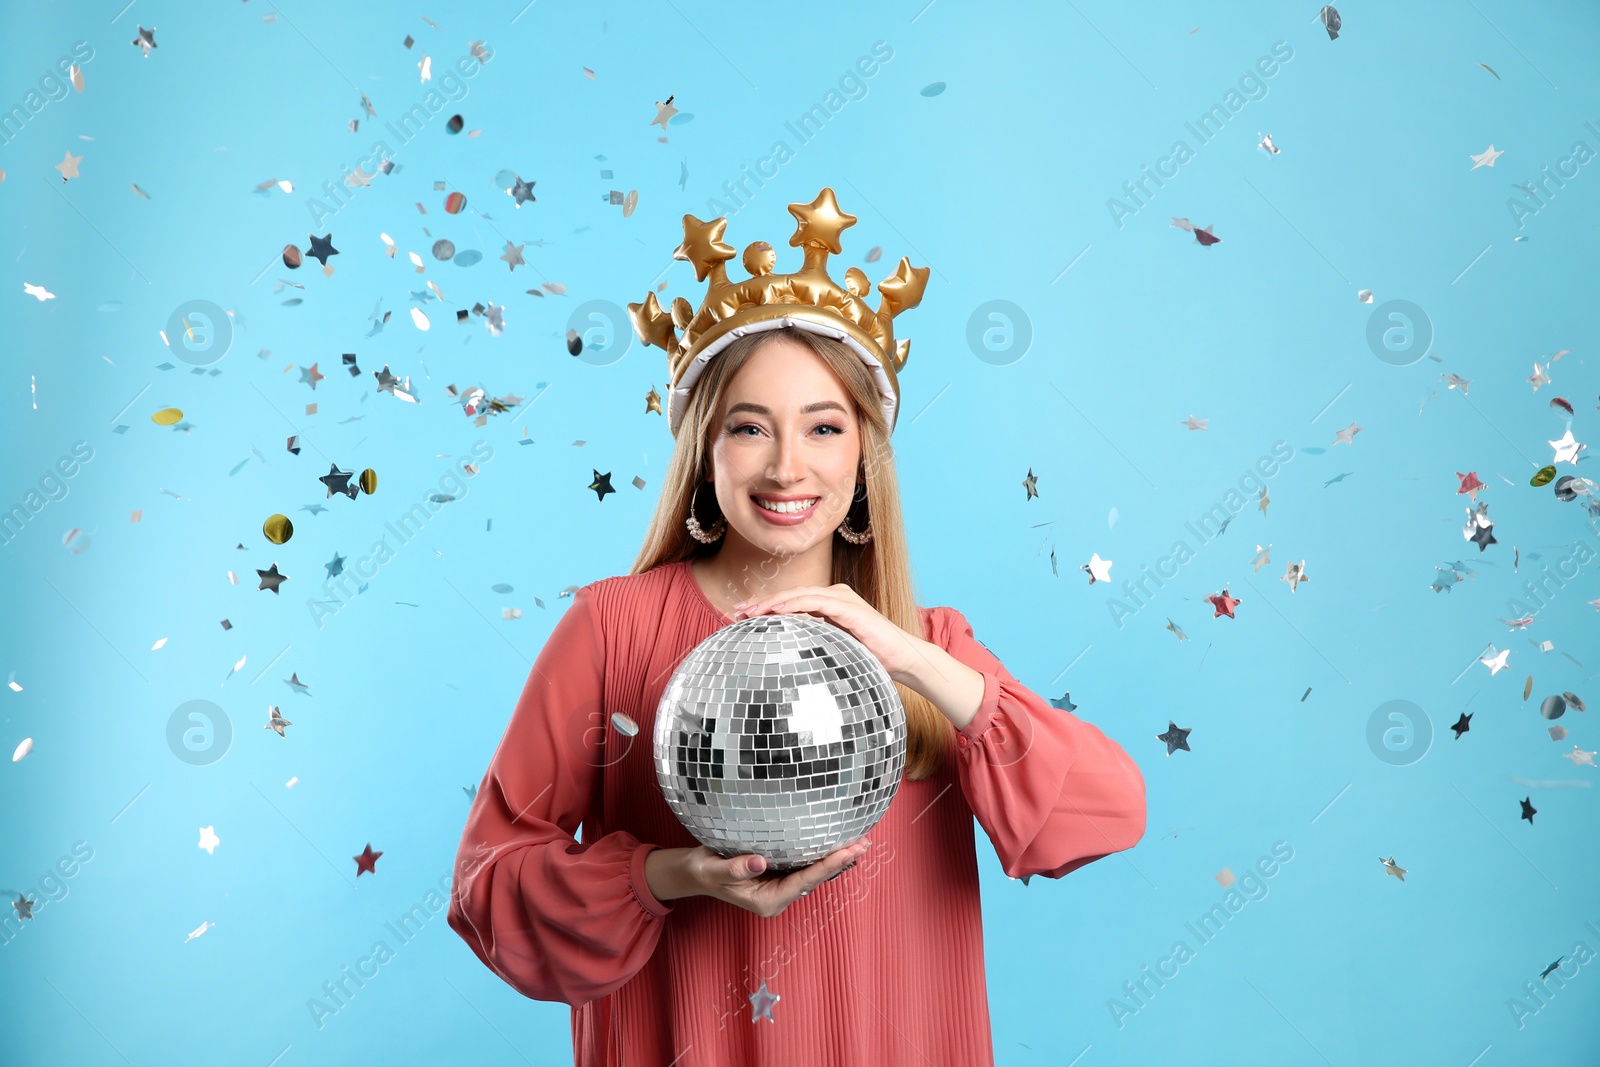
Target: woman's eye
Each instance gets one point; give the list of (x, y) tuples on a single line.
[(738, 430)]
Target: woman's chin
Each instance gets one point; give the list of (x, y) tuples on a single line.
[(789, 538)]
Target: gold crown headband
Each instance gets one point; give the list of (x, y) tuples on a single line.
[(807, 299)]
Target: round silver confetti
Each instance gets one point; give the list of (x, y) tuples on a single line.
[(625, 726), (443, 248), (1553, 707), (780, 735)]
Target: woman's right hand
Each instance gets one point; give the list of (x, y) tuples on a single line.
[(746, 882)]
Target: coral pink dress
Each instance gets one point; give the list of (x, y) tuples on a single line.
[(881, 966)]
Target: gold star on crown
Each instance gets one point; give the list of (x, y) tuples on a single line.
[(808, 299)]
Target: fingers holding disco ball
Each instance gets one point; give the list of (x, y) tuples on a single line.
[(749, 882), (845, 608)]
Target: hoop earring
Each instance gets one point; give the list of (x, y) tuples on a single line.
[(718, 528), (852, 536)]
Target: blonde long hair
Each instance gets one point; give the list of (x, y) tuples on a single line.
[(879, 571)]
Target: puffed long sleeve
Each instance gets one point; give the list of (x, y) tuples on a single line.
[(558, 921), (1052, 791)]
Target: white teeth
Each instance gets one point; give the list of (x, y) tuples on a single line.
[(788, 507)]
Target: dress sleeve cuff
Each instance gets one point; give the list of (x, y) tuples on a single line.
[(641, 887), (984, 719)]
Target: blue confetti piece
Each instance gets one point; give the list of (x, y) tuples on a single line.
[(468, 258), (933, 90)]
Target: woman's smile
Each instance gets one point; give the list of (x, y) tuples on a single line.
[(791, 513)]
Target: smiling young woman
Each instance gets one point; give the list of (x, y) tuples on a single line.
[(780, 495)]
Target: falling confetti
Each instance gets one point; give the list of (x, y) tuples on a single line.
[(1485, 158), (1331, 21), (277, 529), (664, 113), (367, 862)]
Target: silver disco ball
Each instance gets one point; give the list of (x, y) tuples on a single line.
[(780, 735)]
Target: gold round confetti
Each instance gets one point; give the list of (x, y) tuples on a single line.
[(278, 529), (291, 257), (1543, 476), (167, 417), (630, 202), (369, 481)]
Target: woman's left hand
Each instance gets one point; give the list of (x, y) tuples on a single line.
[(897, 650)]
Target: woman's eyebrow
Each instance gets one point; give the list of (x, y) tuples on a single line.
[(820, 405)]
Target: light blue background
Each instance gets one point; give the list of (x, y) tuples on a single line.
[(998, 183)]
